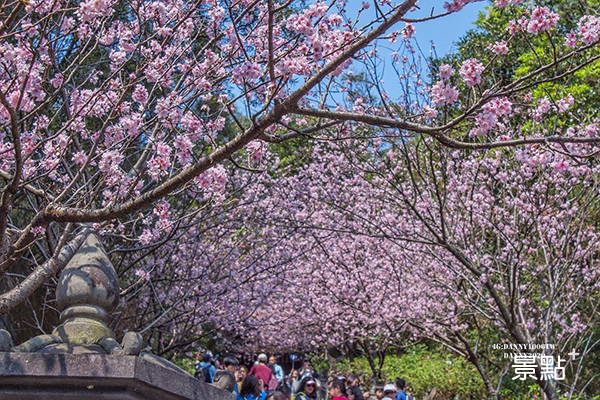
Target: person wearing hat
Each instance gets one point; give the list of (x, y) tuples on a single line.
[(307, 389), (389, 392), (337, 390), (205, 370), (261, 371)]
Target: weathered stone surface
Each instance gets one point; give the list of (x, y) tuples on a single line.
[(82, 358), (159, 361), (88, 289), (69, 348), (224, 380), (132, 344), (6, 342), (111, 346), (95, 376), (82, 331), (37, 343)]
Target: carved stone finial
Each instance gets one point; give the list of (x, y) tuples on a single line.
[(87, 291)]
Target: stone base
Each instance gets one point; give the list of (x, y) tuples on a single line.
[(26, 376)]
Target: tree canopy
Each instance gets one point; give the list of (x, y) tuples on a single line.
[(252, 174)]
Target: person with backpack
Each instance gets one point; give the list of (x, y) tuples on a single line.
[(205, 371), (276, 369)]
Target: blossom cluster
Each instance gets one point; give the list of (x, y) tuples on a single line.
[(471, 71)]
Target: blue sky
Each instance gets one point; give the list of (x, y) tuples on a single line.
[(443, 32), (447, 30)]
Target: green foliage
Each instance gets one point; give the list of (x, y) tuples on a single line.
[(425, 369), (528, 53), (185, 363), (293, 154), (521, 390), (319, 363), (528, 390)]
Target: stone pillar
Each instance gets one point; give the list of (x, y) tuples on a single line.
[(82, 358)]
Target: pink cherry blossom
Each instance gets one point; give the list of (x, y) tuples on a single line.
[(446, 71), (504, 3), (140, 94), (589, 29), (499, 47), (408, 31), (484, 123), (443, 94), (541, 109), (565, 103), (456, 5), (498, 106), (542, 19), (471, 71), (256, 146), (91, 9), (246, 72), (57, 81)]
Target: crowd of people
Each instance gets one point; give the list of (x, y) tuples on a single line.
[(266, 380)]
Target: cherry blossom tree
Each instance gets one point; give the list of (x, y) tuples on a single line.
[(109, 107), (129, 118), (397, 241), (514, 234), (373, 244)]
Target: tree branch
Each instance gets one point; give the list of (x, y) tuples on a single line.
[(24, 289)]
